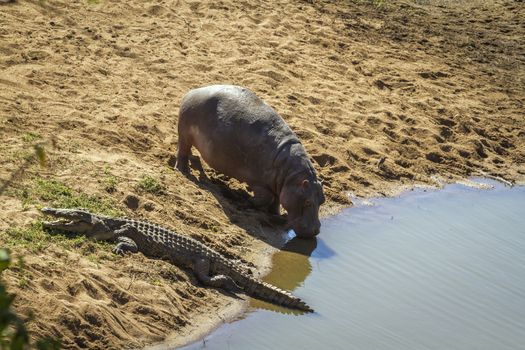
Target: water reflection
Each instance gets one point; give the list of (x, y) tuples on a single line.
[(291, 266), (323, 251)]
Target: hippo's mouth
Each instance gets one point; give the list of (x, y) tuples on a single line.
[(290, 224), (301, 231)]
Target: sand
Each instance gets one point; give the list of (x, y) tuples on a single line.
[(384, 98)]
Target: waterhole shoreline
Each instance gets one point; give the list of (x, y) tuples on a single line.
[(303, 257)]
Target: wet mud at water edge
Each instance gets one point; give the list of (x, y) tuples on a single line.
[(427, 270)]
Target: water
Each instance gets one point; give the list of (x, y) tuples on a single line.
[(427, 270)]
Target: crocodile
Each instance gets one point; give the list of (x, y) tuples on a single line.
[(210, 267)]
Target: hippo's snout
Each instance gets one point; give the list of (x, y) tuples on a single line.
[(307, 231)]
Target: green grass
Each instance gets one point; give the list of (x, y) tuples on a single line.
[(109, 181), (56, 194), (35, 239), (23, 282), (31, 137), (156, 282), (150, 185), (24, 154)]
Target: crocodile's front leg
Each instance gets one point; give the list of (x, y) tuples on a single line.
[(125, 244), (202, 270)]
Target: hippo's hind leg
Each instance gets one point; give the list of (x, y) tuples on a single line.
[(183, 152), (264, 199)]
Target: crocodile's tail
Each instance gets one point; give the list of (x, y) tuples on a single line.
[(270, 293)]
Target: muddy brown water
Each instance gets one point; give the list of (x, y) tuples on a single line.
[(427, 270)]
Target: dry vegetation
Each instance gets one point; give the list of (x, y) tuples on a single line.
[(383, 94)]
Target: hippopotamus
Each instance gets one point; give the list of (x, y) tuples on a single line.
[(241, 136)]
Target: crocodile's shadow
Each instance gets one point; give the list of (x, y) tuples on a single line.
[(237, 205)]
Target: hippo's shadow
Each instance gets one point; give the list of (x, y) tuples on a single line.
[(238, 206)]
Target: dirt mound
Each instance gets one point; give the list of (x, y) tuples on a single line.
[(382, 97)]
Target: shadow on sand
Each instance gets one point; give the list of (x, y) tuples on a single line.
[(238, 207)]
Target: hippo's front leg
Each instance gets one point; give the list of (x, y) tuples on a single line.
[(264, 199)]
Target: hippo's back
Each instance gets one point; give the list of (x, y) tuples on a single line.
[(236, 132), (231, 103)]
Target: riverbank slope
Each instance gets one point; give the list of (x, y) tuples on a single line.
[(406, 93)]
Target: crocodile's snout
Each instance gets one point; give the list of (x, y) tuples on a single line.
[(71, 216), (63, 213), (70, 220), (48, 211), (76, 214)]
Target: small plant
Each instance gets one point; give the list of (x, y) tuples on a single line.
[(31, 137), (23, 282), (94, 258), (150, 185), (156, 282), (109, 181)]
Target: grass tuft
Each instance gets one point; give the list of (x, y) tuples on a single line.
[(109, 181), (151, 185), (31, 137), (35, 239), (56, 194)]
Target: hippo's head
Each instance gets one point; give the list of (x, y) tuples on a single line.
[(302, 199)]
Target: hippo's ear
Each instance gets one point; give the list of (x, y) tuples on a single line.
[(305, 184)]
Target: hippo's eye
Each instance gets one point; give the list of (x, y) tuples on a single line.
[(307, 203)]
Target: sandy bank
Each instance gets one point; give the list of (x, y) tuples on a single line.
[(382, 97)]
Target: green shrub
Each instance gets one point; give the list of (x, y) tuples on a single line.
[(151, 185)]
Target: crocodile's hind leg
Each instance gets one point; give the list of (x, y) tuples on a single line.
[(202, 270), (125, 244)]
